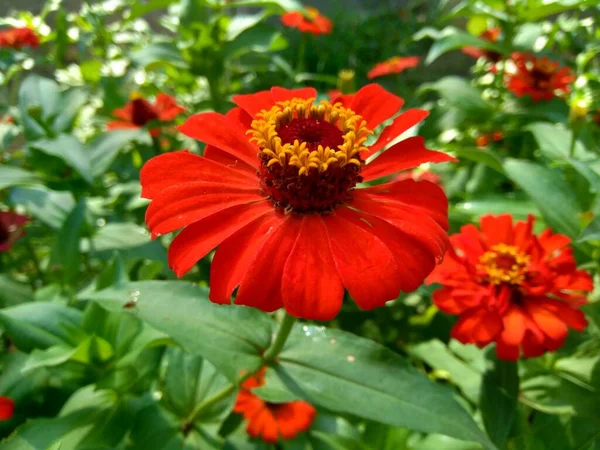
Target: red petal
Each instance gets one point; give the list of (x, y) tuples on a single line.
[(497, 229), (282, 94), (254, 103), (572, 317), (169, 169), (402, 123), (120, 124), (233, 257), (311, 287), (446, 302), (365, 264), (187, 203), (425, 196), (228, 160), (293, 418), (406, 154), (550, 324), (167, 107), (478, 327), (261, 286), (514, 323), (375, 104), (222, 132), (507, 352), (522, 232), (195, 241), (7, 408)]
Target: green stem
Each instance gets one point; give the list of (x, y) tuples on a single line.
[(156, 146), (301, 54), (282, 334), (214, 85), (269, 356), (574, 134), (35, 260)]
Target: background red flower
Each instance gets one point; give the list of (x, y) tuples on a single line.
[(11, 228), (539, 78), (490, 35), (397, 64), (315, 23), (7, 408), (18, 38)]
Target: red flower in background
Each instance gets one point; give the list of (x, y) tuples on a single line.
[(539, 78), (7, 408), (271, 421), (139, 112), (315, 23), (11, 228), (18, 38), (483, 140), (276, 192), (511, 287), (491, 35), (397, 64), (424, 175)]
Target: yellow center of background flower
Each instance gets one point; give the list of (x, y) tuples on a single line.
[(504, 264)]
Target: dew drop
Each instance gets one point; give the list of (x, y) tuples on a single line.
[(350, 358), (332, 341)]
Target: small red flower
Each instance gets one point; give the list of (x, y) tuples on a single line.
[(18, 38), (139, 112), (397, 64), (271, 421), (314, 24), (491, 35), (7, 119), (511, 287), (539, 78), (276, 191), (12, 227), (7, 408)]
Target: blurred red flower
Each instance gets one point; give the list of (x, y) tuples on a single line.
[(511, 287), (271, 421), (396, 64), (268, 200), (491, 35), (315, 23), (139, 112), (18, 38), (483, 140), (7, 408), (539, 78), (12, 227), (424, 175)]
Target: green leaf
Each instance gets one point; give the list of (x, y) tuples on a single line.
[(39, 325), (459, 93), (13, 292), (15, 176), (230, 337), (451, 38), (117, 236), (158, 54), (70, 150), (277, 5), (550, 192), (66, 250), (68, 107), (240, 23), (498, 402), (591, 232), (190, 379), (496, 205), (46, 205), (261, 38), (42, 93), (349, 374), (106, 147), (534, 10), (487, 157), (141, 9), (555, 141)]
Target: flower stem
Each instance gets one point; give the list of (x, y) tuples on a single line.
[(214, 85), (574, 134), (282, 334), (301, 54)]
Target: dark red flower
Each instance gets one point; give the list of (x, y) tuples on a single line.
[(7, 408), (271, 421), (139, 112), (397, 64), (18, 38), (539, 78), (276, 191), (491, 35), (315, 23), (511, 287), (12, 227)]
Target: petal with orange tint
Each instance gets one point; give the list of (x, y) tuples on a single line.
[(550, 324), (497, 229), (254, 103), (507, 352), (311, 287), (281, 94), (477, 326), (514, 323), (406, 154), (401, 124), (375, 104), (293, 418)]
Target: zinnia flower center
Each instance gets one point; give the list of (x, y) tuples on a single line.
[(504, 264), (310, 153), (542, 74), (142, 112), (4, 233)]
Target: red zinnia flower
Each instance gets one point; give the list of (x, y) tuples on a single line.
[(396, 64), (315, 23), (511, 287), (139, 112), (540, 78), (491, 35), (7, 408), (18, 38), (270, 421), (11, 228), (281, 205)]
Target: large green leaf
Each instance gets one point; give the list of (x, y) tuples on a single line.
[(15, 176), (461, 94), (534, 10), (230, 337), (550, 192), (591, 232), (140, 9), (157, 54), (13, 292), (51, 207), (39, 324), (38, 93), (105, 148), (117, 236), (349, 374), (260, 39), (66, 252), (70, 150), (555, 141), (68, 107), (498, 401)]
